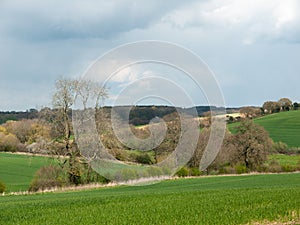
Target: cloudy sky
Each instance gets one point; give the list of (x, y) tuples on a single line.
[(252, 46)]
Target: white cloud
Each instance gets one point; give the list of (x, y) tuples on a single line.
[(241, 40), (250, 19)]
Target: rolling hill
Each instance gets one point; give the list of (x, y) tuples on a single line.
[(17, 171), (283, 126)]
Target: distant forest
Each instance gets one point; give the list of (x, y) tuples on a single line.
[(139, 115)]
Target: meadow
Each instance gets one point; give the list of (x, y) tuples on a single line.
[(206, 200), (285, 160), (283, 126), (17, 171)]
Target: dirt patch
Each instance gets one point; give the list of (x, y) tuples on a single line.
[(293, 219)]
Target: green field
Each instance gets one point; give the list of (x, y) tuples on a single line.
[(208, 200), (285, 160), (16, 171), (283, 126)]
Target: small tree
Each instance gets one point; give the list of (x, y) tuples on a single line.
[(271, 107), (252, 143), (295, 105), (285, 104)]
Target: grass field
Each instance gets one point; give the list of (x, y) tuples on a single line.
[(209, 200), (16, 171), (285, 160), (283, 126)]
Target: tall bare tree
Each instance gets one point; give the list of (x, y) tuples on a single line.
[(67, 91), (63, 100)]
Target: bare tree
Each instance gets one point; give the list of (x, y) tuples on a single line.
[(63, 99), (90, 91)]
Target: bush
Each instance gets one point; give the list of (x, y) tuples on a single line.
[(227, 170), (155, 171), (288, 168), (281, 147), (263, 168), (48, 177), (8, 142), (144, 158), (195, 172), (2, 187), (240, 169), (129, 174), (183, 172), (274, 167)]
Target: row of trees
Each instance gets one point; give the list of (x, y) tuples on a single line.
[(269, 107), (283, 104)]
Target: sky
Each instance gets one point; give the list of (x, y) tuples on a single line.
[(252, 46)]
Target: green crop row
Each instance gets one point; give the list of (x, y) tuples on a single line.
[(209, 200)]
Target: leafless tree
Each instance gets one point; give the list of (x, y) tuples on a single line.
[(63, 100)]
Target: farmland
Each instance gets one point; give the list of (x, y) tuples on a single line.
[(17, 171), (283, 126), (208, 200), (285, 160)]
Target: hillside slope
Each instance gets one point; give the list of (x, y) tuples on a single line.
[(17, 171), (283, 126)]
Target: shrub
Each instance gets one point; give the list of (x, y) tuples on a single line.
[(288, 168), (274, 167), (280, 147), (240, 169), (48, 177), (154, 171), (121, 155), (9, 142), (227, 170), (195, 171), (2, 187), (183, 172), (129, 174), (263, 168), (144, 158)]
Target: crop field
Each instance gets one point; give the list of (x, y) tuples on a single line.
[(207, 200), (285, 160), (283, 126), (16, 171)]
